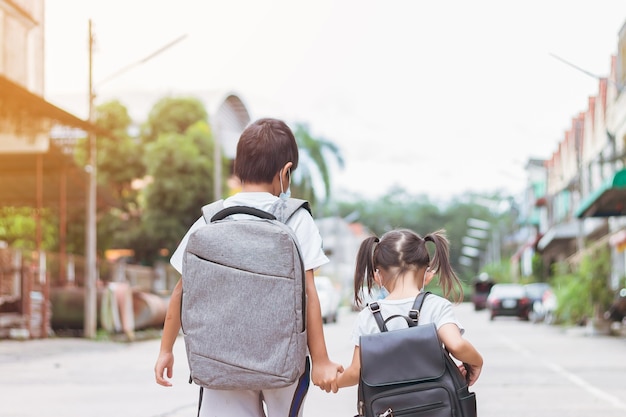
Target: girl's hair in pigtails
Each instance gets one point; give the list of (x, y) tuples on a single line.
[(364, 272), (449, 281)]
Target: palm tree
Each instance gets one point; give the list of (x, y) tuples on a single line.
[(313, 157)]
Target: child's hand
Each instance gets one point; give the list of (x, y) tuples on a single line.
[(165, 362), (324, 375), (470, 372)]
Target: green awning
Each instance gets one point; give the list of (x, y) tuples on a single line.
[(606, 201)]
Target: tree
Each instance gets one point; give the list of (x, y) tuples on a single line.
[(119, 160), (180, 168), (400, 209), (18, 228), (119, 156), (172, 115), (314, 153)]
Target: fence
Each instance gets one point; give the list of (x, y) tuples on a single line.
[(35, 286)]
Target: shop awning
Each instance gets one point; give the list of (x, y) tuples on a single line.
[(608, 200), (61, 181), (560, 233), (47, 178), (17, 101)]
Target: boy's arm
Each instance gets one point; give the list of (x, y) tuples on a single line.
[(171, 327), (324, 371)]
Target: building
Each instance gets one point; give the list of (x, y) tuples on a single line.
[(532, 217), (35, 172), (576, 200), (37, 169)]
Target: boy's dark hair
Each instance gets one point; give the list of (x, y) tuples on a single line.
[(264, 147)]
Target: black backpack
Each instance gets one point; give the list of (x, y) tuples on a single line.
[(408, 372)]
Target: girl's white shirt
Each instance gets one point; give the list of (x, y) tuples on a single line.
[(301, 223), (436, 310)]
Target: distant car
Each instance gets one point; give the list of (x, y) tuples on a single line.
[(330, 298), (508, 300), (482, 285), (543, 301)]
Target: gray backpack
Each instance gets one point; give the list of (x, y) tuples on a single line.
[(243, 303)]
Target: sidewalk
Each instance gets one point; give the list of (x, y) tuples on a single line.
[(73, 377)]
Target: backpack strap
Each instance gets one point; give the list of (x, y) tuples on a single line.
[(382, 324), (216, 211), (284, 209), (281, 210), (414, 313), (210, 210), (375, 309), (228, 211), (411, 320)]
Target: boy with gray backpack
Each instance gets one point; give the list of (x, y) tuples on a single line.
[(247, 302)]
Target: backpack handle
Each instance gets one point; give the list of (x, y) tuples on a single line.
[(229, 211), (412, 319)]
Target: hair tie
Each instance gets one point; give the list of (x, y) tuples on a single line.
[(375, 241)]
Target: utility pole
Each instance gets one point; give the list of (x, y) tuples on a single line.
[(91, 301), (217, 163), (91, 269)]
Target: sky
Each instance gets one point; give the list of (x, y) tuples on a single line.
[(439, 98)]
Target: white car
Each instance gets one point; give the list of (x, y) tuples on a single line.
[(329, 296)]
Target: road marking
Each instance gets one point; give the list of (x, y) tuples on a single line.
[(575, 379)]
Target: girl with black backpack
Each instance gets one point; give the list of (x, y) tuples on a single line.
[(400, 263)]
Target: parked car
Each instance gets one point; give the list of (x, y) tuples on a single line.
[(543, 301), (482, 285), (330, 298), (508, 300)]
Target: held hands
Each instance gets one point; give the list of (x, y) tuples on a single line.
[(324, 375), (165, 363)]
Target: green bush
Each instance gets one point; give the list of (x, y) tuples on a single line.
[(582, 290), (574, 302)]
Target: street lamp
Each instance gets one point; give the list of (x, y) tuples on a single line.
[(91, 301)]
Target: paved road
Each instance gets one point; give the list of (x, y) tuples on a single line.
[(540, 370), (530, 370)]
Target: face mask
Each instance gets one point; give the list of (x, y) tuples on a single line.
[(383, 292), (284, 195)]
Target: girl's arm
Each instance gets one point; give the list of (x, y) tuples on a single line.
[(461, 349), (171, 327), (350, 376)]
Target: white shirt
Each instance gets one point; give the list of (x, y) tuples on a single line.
[(435, 309), (301, 223)]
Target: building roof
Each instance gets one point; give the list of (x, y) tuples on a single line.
[(60, 179)]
